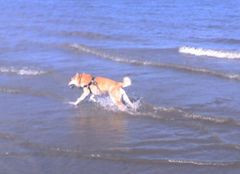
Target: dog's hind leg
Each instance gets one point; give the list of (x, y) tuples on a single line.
[(116, 98), (126, 99)]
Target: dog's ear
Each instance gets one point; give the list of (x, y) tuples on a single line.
[(78, 77)]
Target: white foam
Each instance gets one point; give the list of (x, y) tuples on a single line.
[(21, 71), (210, 52), (200, 163)]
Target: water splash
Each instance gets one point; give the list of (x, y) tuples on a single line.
[(106, 103)]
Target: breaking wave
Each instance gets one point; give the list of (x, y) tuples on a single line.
[(102, 54), (209, 52), (21, 71)]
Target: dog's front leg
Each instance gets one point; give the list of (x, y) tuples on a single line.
[(85, 93)]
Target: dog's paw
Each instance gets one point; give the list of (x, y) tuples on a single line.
[(93, 100), (72, 103)]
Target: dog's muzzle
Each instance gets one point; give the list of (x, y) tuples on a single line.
[(71, 86)]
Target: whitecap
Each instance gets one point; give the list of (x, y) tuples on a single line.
[(210, 52), (21, 71)]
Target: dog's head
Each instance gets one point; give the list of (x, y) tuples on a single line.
[(80, 80), (75, 81)]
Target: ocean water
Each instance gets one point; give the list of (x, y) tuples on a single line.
[(183, 57)]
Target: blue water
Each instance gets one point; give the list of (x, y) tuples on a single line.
[(183, 58)]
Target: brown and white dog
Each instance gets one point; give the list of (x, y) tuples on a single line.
[(101, 85)]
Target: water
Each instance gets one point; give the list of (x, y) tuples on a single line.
[(182, 56)]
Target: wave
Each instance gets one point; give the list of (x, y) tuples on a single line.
[(204, 163), (173, 114), (123, 157), (209, 52), (110, 155), (99, 36), (9, 90), (227, 40), (230, 41), (7, 136), (21, 71), (164, 113), (122, 154), (180, 113), (102, 54), (30, 92), (87, 35)]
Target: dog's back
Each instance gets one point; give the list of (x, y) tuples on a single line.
[(106, 84)]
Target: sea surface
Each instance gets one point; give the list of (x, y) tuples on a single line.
[(183, 57)]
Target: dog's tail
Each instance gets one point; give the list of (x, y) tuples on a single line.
[(126, 82)]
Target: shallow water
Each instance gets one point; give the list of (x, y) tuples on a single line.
[(183, 59)]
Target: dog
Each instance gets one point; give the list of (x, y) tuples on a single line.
[(101, 85)]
